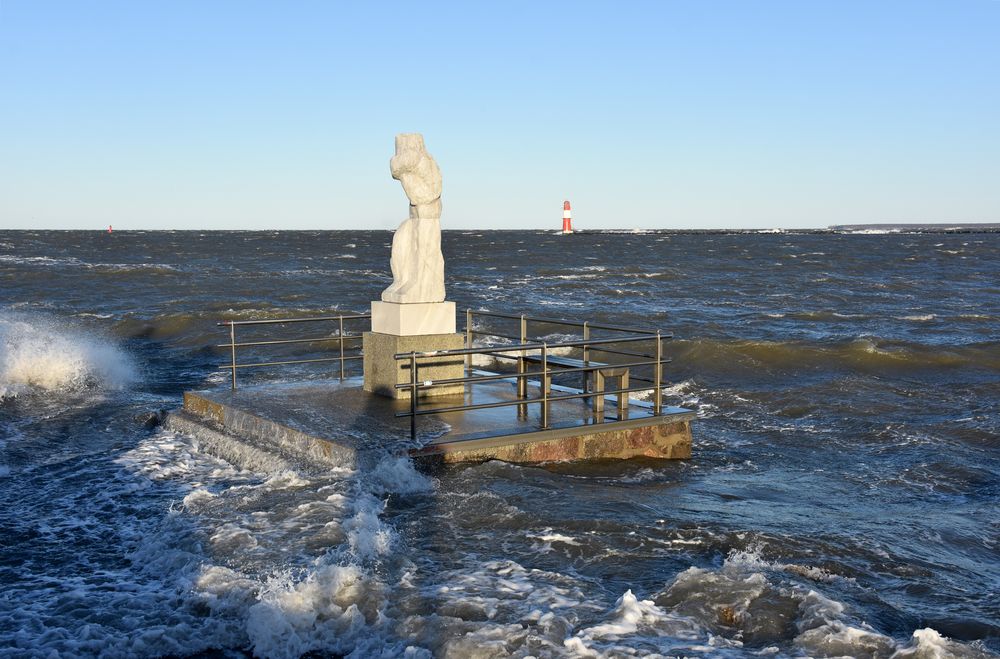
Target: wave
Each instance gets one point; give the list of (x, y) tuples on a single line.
[(746, 606), (133, 268), (45, 261), (281, 606), (869, 354), (40, 353), (751, 599), (825, 316), (199, 327)]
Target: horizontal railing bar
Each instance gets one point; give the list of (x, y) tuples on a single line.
[(627, 353), (598, 393), (477, 406), (635, 377), (296, 361), (278, 321), (554, 321), (522, 346), (537, 319), (430, 384), (607, 350), (517, 338), (286, 341), (519, 401), (502, 336), (502, 354)]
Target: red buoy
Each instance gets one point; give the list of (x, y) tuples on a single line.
[(567, 218)]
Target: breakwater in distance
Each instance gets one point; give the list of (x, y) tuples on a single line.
[(843, 497), (873, 229)]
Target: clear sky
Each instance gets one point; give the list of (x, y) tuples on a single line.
[(696, 114)]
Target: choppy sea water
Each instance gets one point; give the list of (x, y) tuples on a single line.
[(842, 499)]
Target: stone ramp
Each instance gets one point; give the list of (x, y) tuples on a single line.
[(237, 451)]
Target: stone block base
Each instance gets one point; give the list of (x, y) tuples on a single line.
[(383, 372), (414, 318)]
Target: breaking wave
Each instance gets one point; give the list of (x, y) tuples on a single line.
[(39, 353), (867, 354)]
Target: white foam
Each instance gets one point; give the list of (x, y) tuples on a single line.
[(40, 260), (40, 353), (629, 614), (397, 474), (548, 537), (308, 576), (286, 479), (318, 613), (197, 497), (634, 624), (928, 643), (367, 536), (556, 537), (870, 232)]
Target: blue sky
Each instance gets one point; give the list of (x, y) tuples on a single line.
[(698, 114)]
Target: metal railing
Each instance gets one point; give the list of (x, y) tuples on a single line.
[(340, 338), (526, 352)]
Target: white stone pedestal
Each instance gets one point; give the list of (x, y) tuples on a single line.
[(414, 318)]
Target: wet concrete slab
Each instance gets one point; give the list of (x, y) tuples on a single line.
[(336, 422)]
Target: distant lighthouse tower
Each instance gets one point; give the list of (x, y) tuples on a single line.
[(567, 218)]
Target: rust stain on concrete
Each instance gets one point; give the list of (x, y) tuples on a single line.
[(665, 441)]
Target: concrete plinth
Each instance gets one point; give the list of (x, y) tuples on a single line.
[(414, 318), (383, 371), (315, 425)]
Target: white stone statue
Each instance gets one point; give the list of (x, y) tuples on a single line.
[(417, 263)]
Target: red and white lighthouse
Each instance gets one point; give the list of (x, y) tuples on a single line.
[(567, 218)]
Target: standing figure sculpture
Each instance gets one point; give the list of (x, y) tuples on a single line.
[(417, 263)]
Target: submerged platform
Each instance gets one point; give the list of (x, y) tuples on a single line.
[(337, 423)]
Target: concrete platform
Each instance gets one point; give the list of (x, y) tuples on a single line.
[(336, 423)]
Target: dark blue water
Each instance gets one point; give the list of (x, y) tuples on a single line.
[(842, 499)]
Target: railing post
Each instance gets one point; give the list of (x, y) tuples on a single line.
[(586, 355), (341, 319), (545, 386), (232, 347), (657, 375), (597, 400), (623, 383), (413, 396), (468, 340), (522, 382)]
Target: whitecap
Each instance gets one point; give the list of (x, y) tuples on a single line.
[(41, 353)]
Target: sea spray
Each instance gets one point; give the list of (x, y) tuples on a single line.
[(43, 353)]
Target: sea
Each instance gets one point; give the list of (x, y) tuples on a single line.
[(841, 500)]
